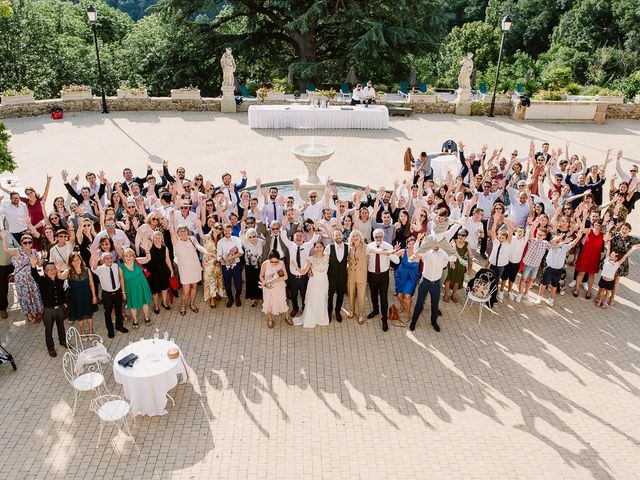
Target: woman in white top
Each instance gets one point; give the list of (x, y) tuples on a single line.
[(185, 250), (316, 299)]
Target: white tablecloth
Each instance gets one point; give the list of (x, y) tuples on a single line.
[(305, 116), (147, 383)]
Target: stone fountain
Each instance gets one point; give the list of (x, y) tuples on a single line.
[(312, 155)]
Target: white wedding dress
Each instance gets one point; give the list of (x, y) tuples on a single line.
[(315, 302)]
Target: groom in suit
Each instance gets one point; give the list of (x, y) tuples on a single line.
[(338, 253)]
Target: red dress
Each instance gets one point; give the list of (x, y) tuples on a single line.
[(589, 259)]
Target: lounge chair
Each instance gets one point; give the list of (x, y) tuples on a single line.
[(311, 87), (344, 91), (483, 88), (423, 87), (404, 89), (245, 92)]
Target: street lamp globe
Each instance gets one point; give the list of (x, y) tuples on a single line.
[(92, 14), (506, 23)]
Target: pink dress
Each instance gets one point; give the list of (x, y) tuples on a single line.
[(275, 298)]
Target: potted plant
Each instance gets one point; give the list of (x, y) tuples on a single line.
[(76, 92), (610, 95), (296, 94), (17, 97), (262, 93), (185, 93), (276, 92), (416, 96), (128, 90)]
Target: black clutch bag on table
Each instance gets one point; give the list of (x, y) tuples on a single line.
[(128, 361)]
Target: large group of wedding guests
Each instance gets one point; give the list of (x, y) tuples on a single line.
[(133, 243)]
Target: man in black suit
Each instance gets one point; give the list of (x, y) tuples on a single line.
[(338, 253)]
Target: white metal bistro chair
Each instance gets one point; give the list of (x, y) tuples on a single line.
[(112, 409), (77, 342), (92, 380), (482, 303)]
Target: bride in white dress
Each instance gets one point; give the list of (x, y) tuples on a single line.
[(315, 302)]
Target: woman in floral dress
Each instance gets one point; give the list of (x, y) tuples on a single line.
[(212, 278), (26, 287), (253, 247), (621, 242)]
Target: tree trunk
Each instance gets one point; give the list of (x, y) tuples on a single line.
[(306, 51)]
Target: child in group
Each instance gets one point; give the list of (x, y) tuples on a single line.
[(607, 276), (537, 246), (510, 272), (556, 258)]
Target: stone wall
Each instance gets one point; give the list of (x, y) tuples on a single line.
[(40, 107), (630, 111)]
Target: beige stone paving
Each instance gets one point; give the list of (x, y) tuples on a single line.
[(534, 393)]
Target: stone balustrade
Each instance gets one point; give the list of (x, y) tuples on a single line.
[(40, 107)]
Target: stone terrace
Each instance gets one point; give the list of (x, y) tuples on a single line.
[(537, 392)]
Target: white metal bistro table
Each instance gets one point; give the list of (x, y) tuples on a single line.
[(147, 383), (306, 116)]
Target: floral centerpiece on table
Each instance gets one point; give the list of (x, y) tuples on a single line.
[(330, 94), (262, 92)]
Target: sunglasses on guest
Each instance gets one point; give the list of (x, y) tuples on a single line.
[(27, 242)]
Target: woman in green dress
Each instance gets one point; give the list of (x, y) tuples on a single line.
[(135, 287), (454, 277), (82, 292)]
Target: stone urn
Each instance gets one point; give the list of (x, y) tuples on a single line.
[(312, 155)]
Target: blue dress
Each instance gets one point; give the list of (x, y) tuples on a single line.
[(407, 275)]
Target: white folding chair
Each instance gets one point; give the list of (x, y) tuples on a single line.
[(92, 380), (112, 409), (482, 303), (76, 340)]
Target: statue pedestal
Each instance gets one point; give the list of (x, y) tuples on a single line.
[(463, 102), (228, 102)]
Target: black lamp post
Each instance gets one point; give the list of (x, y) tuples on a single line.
[(93, 18), (506, 26)]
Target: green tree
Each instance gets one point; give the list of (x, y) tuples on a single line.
[(7, 163), (480, 38), (317, 38)]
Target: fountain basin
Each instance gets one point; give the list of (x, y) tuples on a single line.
[(312, 155)]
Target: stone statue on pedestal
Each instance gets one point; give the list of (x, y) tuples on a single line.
[(228, 68), (466, 69)]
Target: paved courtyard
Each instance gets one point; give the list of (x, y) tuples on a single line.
[(536, 392)]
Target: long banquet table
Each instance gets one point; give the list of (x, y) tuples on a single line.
[(305, 116)]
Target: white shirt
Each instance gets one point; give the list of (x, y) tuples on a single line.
[(339, 250), (485, 202), (556, 257), (385, 260), (433, 263), (16, 216), (118, 235), (519, 212), (356, 94), (504, 253), (368, 92), (609, 269), (314, 212), (189, 222), (58, 254), (102, 271), (474, 228), (225, 248), (305, 249), (516, 250)]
